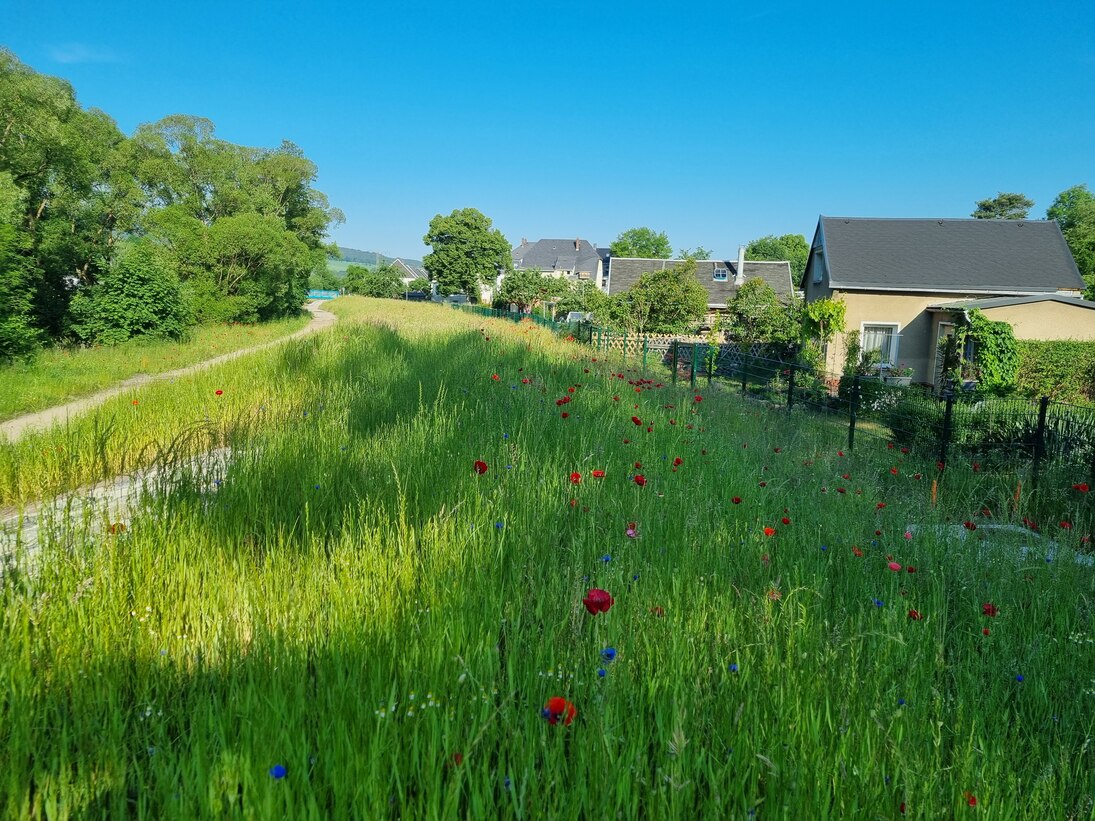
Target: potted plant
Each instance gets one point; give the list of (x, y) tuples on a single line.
[(901, 375)]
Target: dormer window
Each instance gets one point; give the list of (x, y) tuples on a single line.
[(819, 267), (720, 274)]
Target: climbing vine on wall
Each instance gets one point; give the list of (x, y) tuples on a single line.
[(995, 363)]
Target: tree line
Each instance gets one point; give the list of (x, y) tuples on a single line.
[(105, 237)]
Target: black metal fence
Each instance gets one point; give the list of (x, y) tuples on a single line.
[(983, 430)]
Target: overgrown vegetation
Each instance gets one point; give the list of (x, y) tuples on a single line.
[(1061, 370)]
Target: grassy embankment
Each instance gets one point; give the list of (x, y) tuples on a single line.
[(60, 375), (356, 623)]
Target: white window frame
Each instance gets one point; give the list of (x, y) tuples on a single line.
[(716, 272), (896, 340)]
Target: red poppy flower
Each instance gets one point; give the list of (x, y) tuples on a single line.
[(857, 552), (135, 402), (457, 759), (636, 420), (989, 609), (495, 377), (565, 415), (698, 398), (914, 615), (598, 601), (640, 480), (1065, 525), (894, 566), (571, 388), (918, 476), (971, 799), (840, 453), (480, 466), (763, 484), (841, 490), (1029, 523), (893, 471), (658, 611), (559, 709), (678, 462), (976, 467), (910, 569), (904, 450), (769, 531), (880, 505), (575, 478), (736, 500), (941, 465), (615, 399), (969, 525), (1082, 487), (785, 520), (776, 450), (218, 392), (638, 465), (598, 474), (985, 631)]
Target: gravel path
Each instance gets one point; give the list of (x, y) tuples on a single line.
[(12, 429)]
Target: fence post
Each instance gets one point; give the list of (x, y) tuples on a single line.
[(948, 426), (1040, 438), (675, 361), (692, 376), (853, 410), (744, 374), (625, 346), (646, 347), (790, 387), (712, 361)]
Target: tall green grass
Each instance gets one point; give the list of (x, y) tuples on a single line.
[(355, 604), (61, 374)]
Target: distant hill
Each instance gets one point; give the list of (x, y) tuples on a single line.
[(368, 259)]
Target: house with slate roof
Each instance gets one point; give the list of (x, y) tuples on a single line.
[(906, 283), (575, 259), (409, 273), (721, 278)]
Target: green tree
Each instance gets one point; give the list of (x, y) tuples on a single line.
[(698, 253), (822, 319), (756, 314), (467, 252), (643, 243), (1074, 211), (419, 284), (324, 279), (139, 295), (1004, 206), (667, 301), (792, 248), (584, 296), (528, 288)]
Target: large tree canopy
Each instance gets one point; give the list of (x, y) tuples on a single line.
[(792, 248), (240, 228), (1074, 210), (643, 243), (1004, 206), (467, 252), (664, 302)]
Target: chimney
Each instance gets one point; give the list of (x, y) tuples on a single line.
[(577, 245), (739, 277), (524, 240)]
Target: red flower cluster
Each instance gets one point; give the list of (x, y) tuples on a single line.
[(480, 466), (598, 601), (1082, 487), (563, 401), (989, 609)]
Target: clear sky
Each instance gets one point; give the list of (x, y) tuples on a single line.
[(716, 122)]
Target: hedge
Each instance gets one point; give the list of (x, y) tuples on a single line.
[(1063, 371)]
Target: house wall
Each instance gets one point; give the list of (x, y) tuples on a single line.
[(1046, 320), (916, 326)]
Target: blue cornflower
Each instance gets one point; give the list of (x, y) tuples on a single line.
[(733, 668), (1019, 679), (824, 547), (608, 654), (878, 602), (316, 487), (277, 772), (901, 702), (505, 436), (499, 525), (506, 782), (602, 672), (606, 558), (635, 578)]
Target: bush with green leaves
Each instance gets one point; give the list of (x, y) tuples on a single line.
[(1063, 370), (138, 295)]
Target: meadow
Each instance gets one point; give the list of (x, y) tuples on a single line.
[(61, 374), (463, 568)]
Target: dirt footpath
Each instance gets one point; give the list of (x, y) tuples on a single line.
[(14, 428)]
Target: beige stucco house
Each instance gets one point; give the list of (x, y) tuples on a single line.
[(906, 283)]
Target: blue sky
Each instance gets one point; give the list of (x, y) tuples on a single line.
[(714, 122)]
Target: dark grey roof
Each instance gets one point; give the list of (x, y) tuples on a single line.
[(956, 255), (623, 272), (557, 255), (1005, 301)]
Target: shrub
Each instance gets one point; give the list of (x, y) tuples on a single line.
[(1062, 370), (139, 295)]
